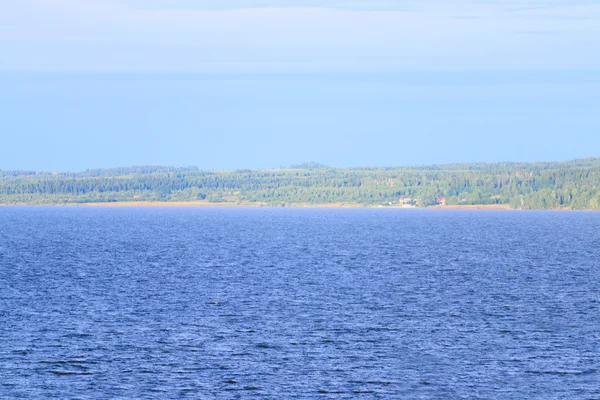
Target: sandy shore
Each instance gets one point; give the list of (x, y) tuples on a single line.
[(140, 204), (204, 203), (199, 203), (475, 207)]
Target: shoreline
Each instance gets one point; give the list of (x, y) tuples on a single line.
[(191, 204), (208, 204), (474, 207), (202, 203)]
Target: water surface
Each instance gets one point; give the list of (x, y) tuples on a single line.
[(298, 303)]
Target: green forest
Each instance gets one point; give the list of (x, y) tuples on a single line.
[(571, 184)]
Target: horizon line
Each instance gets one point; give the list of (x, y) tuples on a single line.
[(297, 166)]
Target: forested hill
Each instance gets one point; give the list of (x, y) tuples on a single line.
[(572, 184)]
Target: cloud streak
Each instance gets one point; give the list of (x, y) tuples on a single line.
[(303, 35)]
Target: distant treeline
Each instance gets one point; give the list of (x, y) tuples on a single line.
[(572, 184)]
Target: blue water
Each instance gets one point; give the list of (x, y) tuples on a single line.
[(298, 303)]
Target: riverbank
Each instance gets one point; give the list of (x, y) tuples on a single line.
[(204, 203), (475, 207)]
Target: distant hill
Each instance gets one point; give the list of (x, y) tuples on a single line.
[(309, 165), (571, 184)]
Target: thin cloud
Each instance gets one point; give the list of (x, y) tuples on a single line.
[(543, 33), (313, 35), (515, 5), (208, 5)]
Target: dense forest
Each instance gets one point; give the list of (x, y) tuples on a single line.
[(572, 185)]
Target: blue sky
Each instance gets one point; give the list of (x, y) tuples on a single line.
[(259, 84)]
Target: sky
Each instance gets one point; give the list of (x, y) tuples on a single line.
[(226, 84)]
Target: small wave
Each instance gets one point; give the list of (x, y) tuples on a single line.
[(385, 383), (77, 335), (59, 372), (558, 372), (264, 346)]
